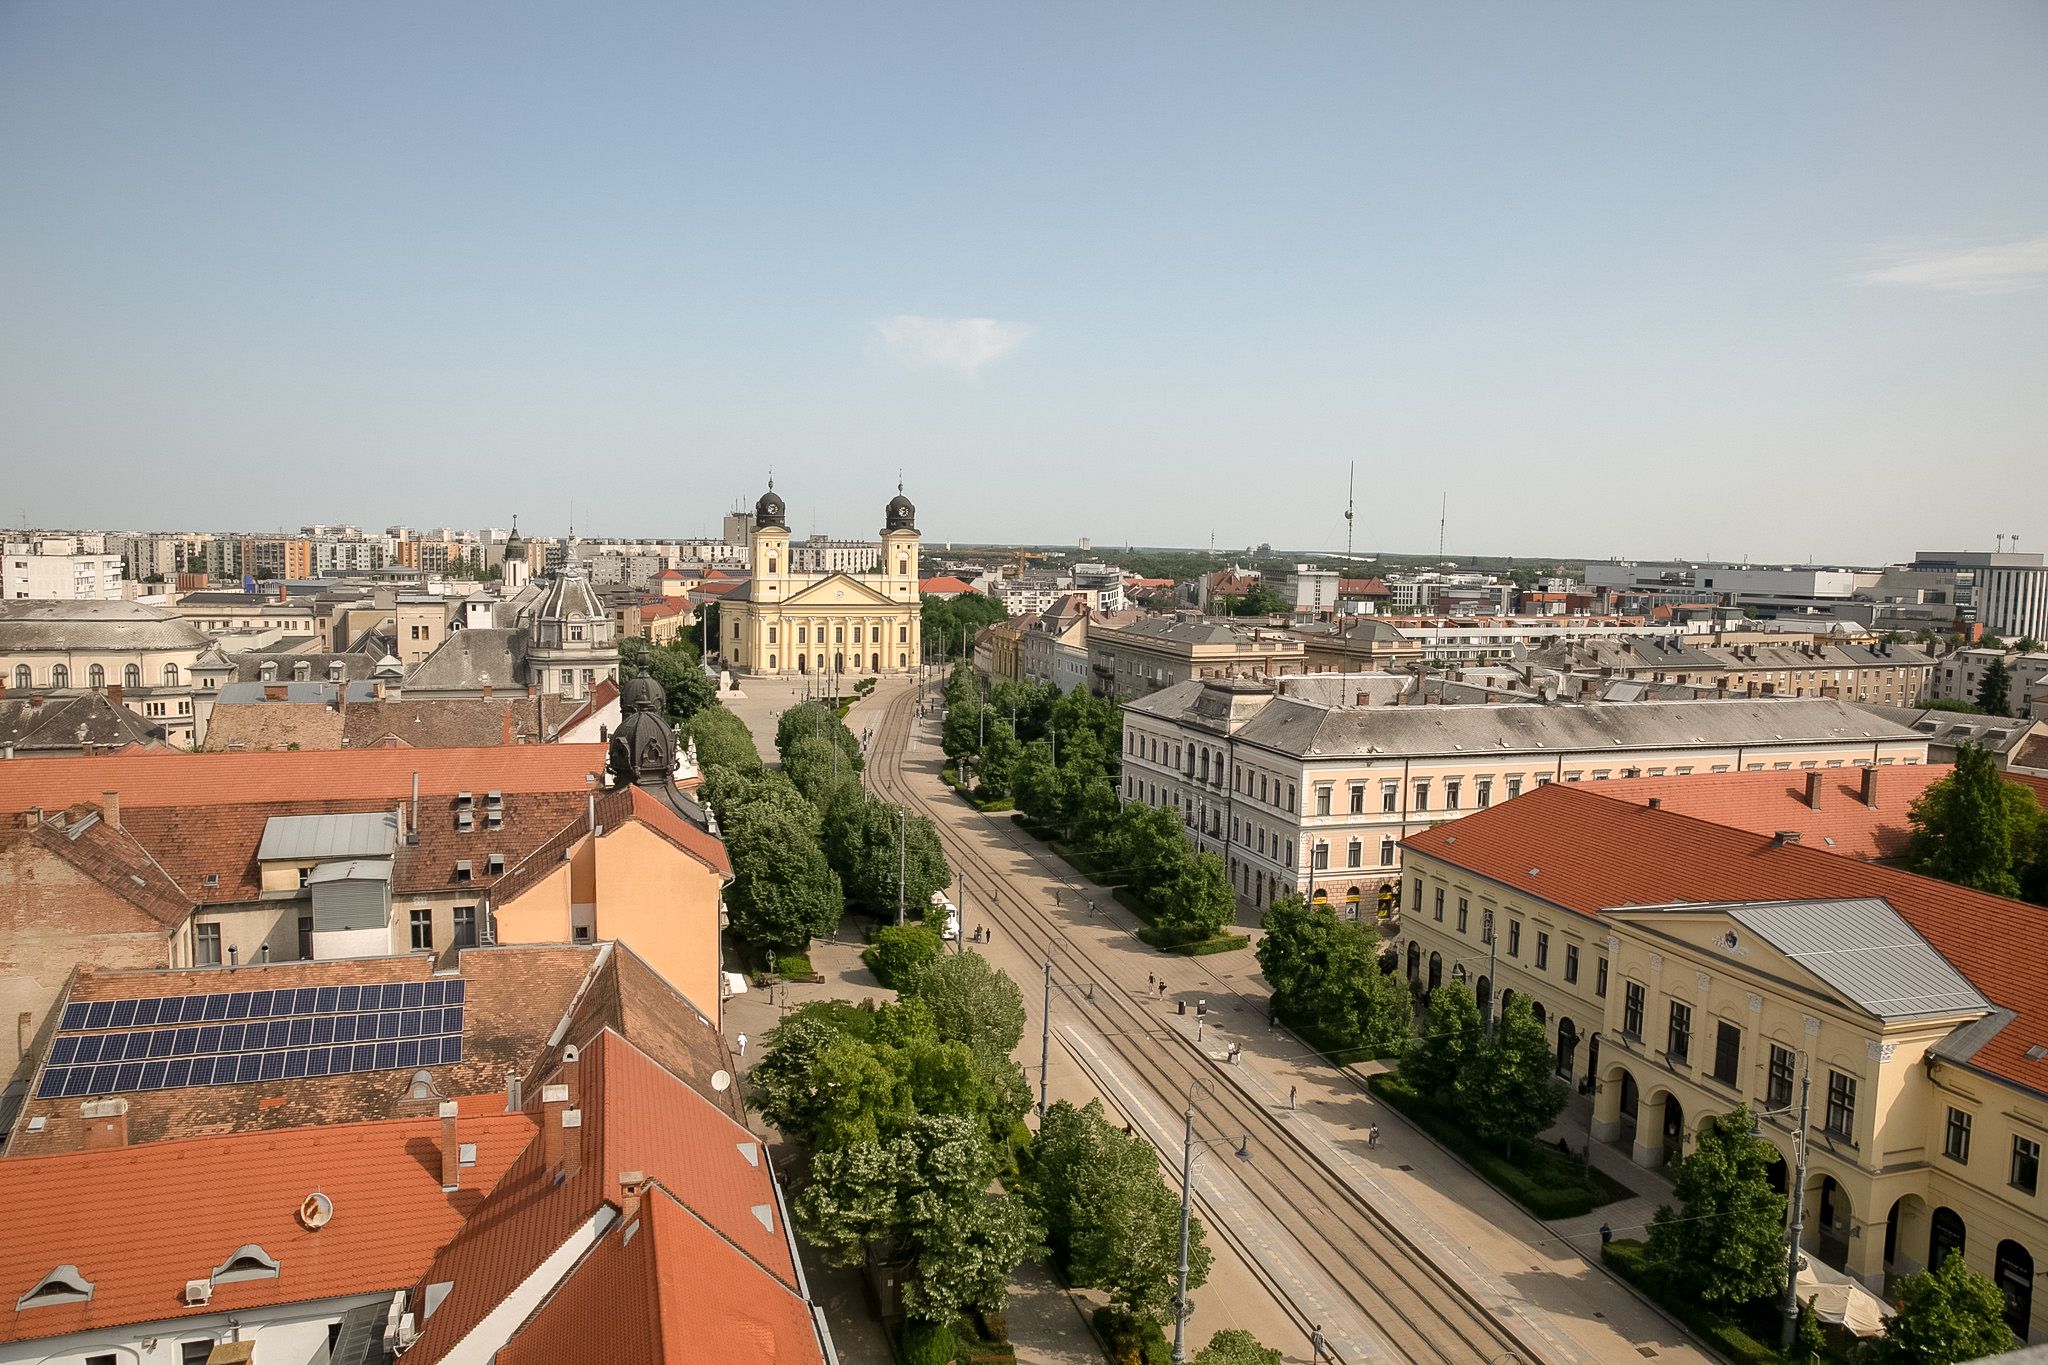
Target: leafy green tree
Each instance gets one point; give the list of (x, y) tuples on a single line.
[(817, 720), (736, 793), (901, 953), (1440, 1056), (1724, 1241), (1260, 601), (1111, 1220), (1994, 691), (1196, 902), (1946, 1315), (860, 835), (1326, 973), (1973, 827), (1809, 1342), (926, 1191), (1506, 1093), (722, 740), (676, 668), (965, 729), (1235, 1346), (815, 766), (948, 621), (1091, 810), (783, 891), (1146, 845), (1291, 952), (973, 1003), (1040, 787)]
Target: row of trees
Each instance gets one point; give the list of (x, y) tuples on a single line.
[(1722, 1244), (1327, 976), (1497, 1081), (949, 624), (1977, 829)]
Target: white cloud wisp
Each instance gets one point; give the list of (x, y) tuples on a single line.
[(1998, 268), (963, 345)]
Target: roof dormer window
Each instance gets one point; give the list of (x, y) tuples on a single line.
[(62, 1285), (250, 1262)]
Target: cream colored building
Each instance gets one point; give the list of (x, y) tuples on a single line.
[(1145, 656), (143, 654), (1683, 968), (787, 621), (1298, 795)]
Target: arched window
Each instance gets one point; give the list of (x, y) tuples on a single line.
[(23, 679), (2013, 1272), (96, 676), (1945, 1234), (170, 675), (60, 676), (131, 676)]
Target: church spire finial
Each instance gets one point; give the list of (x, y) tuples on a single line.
[(771, 478), (899, 480)]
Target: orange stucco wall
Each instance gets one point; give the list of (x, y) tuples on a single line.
[(662, 903), (540, 914)]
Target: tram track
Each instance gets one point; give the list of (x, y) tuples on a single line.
[(1420, 1311)]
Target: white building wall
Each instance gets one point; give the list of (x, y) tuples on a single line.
[(290, 1334)]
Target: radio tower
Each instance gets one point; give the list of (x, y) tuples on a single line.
[(1442, 513), (1350, 505)]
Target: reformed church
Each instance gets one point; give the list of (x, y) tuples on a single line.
[(787, 622)]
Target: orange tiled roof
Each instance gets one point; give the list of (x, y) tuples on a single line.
[(183, 779), (1767, 802), (636, 1117), (138, 1222), (1570, 845), (944, 583), (669, 1291)]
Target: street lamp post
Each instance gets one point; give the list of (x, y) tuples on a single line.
[(1044, 1039), (902, 863), (1492, 969), (1797, 1226), (1187, 1185)]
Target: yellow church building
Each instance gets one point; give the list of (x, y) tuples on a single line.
[(785, 622)]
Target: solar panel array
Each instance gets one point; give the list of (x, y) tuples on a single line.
[(237, 1037)]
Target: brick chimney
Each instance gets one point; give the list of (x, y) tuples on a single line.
[(1870, 786), (1784, 837), (1813, 781), (632, 1184), (110, 808), (274, 692), (106, 1124), (554, 1101), (487, 691), (451, 1149), (572, 1143), (114, 693)]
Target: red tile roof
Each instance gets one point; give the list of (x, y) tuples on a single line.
[(669, 1292), (1571, 845), (114, 859), (184, 779), (944, 583), (138, 1222), (636, 1117), (1767, 802)]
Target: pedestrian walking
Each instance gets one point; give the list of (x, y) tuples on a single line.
[(1149, 983), (1372, 1137), (743, 1044), (1091, 905), (1290, 1097)]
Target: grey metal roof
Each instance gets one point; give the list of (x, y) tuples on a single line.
[(352, 870), (26, 626), (297, 838), (1863, 949), (462, 661)]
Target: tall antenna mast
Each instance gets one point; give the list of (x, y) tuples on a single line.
[(1350, 506), (1443, 513)]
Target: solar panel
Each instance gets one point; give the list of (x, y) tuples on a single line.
[(237, 1037)]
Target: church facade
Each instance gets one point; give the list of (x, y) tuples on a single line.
[(786, 622)]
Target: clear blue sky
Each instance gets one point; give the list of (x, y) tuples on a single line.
[(1721, 279)]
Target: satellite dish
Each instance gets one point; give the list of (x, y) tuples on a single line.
[(316, 1211), (721, 1080)]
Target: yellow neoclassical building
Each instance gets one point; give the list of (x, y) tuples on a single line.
[(785, 622)]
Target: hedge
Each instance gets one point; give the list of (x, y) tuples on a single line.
[(1542, 1181), (1166, 942), (1624, 1256)]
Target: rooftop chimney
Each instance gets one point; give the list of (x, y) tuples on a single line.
[(554, 1100), (1656, 803), (514, 1091), (275, 692), (1870, 786), (632, 1184), (572, 1143), (451, 1149), (110, 808), (1784, 837), (1813, 780), (106, 1123)]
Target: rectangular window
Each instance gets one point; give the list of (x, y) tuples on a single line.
[(1632, 1011), (1422, 795), (1542, 950), (1955, 1142), (1290, 796), (1451, 790), (1841, 1121), (1439, 901), (465, 926), (1323, 793), (1319, 856), (1485, 922), (206, 945), (1390, 797), (1571, 962), (1727, 1052), (1514, 938), (422, 931), (1484, 792), (1358, 798), (2026, 1164), (1678, 1038), (1514, 787), (1778, 1081), (1462, 914), (193, 1352), (305, 938)]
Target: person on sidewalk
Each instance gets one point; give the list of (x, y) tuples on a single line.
[(1290, 1097), (1372, 1136), (742, 1040)]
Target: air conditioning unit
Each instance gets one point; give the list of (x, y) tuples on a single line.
[(198, 1293)]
